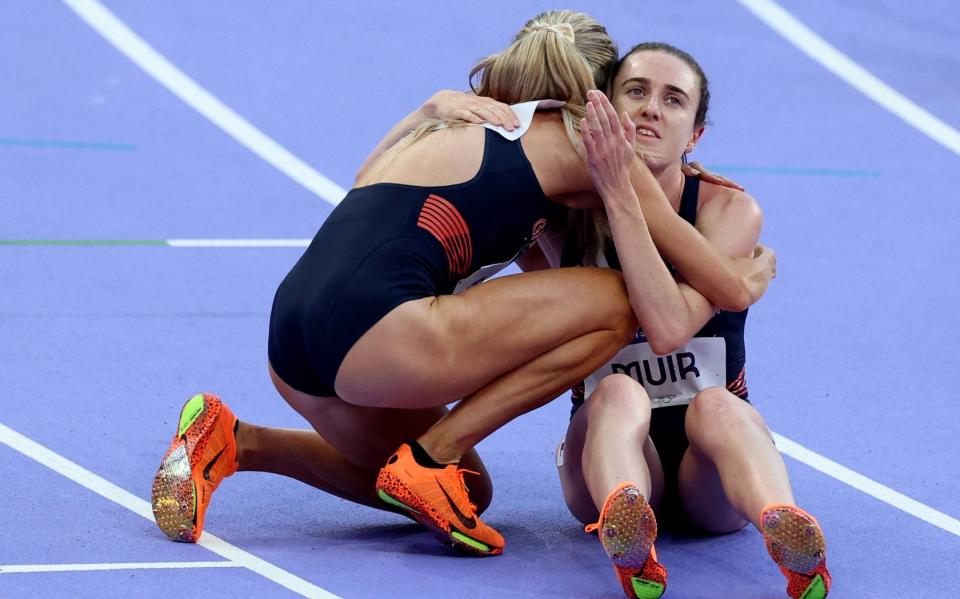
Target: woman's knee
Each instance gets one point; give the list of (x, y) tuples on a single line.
[(716, 407), (619, 398), (614, 292)]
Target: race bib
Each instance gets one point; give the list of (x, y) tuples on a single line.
[(482, 274), (673, 379), (485, 272)]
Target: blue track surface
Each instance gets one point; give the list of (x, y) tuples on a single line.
[(852, 351)]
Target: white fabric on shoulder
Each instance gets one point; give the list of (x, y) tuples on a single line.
[(524, 112)]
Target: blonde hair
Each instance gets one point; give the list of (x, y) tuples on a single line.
[(558, 55)]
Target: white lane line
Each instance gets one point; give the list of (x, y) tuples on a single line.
[(34, 568), (167, 74), (108, 490), (840, 65), (238, 243), (867, 485)]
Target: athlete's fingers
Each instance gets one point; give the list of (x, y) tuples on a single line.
[(587, 137), (629, 129), (499, 113), (489, 116), (467, 115), (710, 177), (705, 175), (769, 257), (509, 116), (593, 124), (496, 115), (611, 113), (721, 180), (602, 118), (616, 128)]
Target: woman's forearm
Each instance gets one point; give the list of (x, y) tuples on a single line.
[(660, 307), (446, 105)]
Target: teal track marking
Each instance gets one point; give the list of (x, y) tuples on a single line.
[(791, 171), (67, 144)]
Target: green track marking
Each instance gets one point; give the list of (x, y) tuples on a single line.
[(66, 144)]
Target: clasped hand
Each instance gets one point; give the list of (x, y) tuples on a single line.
[(610, 144)]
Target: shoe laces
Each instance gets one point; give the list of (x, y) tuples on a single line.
[(592, 528), (464, 488)]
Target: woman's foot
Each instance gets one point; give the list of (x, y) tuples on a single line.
[(202, 453), (627, 529), (795, 541), (435, 496)]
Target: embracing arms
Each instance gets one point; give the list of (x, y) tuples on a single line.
[(733, 284), (732, 223), (446, 105), (666, 310), (730, 284)]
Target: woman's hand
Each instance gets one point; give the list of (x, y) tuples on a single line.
[(695, 169), (767, 260), (756, 272), (460, 106), (610, 143)]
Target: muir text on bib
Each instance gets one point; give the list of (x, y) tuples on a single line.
[(673, 379)]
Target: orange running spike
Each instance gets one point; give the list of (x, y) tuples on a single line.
[(627, 529), (203, 452), (795, 541), (438, 499)]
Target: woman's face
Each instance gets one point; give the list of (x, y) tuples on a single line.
[(661, 94)]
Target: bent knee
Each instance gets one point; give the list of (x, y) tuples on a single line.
[(610, 293), (715, 406), (619, 396)]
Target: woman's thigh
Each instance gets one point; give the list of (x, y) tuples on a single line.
[(437, 350)]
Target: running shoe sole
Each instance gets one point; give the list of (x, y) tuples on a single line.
[(796, 543), (628, 532), (174, 491)]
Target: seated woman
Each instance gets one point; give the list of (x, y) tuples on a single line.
[(382, 322), (666, 422)]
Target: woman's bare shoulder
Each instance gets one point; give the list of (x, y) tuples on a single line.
[(555, 160), (717, 198), (730, 217)]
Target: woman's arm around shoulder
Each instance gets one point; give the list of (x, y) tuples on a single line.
[(731, 221), (447, 105)]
